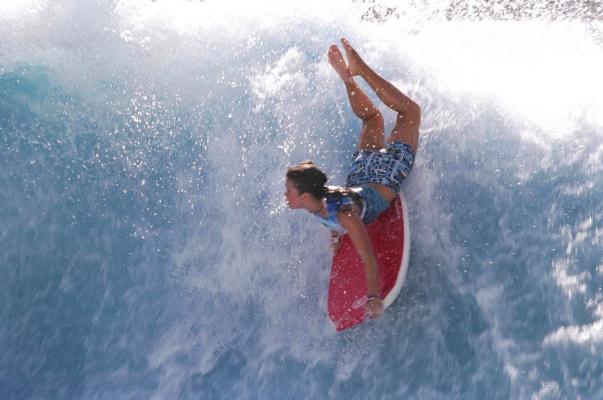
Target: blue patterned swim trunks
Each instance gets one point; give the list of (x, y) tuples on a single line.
[(388, 166)]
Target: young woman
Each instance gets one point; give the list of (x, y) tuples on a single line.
[(376, 171)]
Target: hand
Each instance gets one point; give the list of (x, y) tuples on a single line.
[(374, 307), (335, 244)]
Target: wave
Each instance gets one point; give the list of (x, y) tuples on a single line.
[(146, 250)]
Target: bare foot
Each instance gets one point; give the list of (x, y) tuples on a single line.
[(338, 63), (355, 63)]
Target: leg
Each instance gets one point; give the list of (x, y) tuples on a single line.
[(372, 134), (408, 120)]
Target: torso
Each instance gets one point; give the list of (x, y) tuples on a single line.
[(383, 190), (329, 215)]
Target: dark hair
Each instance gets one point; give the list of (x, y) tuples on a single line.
[(307, 178)]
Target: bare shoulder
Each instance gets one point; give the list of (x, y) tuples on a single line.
[(349, 217)]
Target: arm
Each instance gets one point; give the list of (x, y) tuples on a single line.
[(350, 220), (335, 241)]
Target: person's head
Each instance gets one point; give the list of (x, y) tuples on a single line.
[(305, 183)]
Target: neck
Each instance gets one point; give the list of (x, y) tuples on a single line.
[(317, 208)]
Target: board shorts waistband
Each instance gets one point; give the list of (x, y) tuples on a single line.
[(374, 203)]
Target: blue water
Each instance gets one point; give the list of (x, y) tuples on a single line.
[(146, 251)]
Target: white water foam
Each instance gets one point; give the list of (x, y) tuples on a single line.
[(252, 82)]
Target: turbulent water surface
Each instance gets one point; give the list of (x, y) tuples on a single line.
[(146, 251)]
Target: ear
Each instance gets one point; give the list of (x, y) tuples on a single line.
[(307, 197)]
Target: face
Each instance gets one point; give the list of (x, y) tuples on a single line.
[(294, 199)]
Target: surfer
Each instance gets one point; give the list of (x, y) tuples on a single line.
[(376, 170)]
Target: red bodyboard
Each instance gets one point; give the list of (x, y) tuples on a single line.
[(390, 237)]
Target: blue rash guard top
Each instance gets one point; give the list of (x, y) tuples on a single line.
[(334, 204)]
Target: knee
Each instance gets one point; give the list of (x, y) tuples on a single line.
[(414, 112), (374, 116), (410, 118)]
